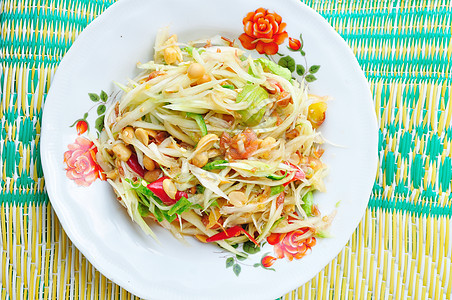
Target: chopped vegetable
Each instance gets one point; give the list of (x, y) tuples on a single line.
[(133, 163), (229, 233), (202, 139), (275, 190), (216, 165), (299, 174), (157, 188), (200, 189), (200, 121), (275, 68), (255, 96), (277, 177), (182, 205), (307, 204)]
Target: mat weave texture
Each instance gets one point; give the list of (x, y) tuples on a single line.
[(402, 249)]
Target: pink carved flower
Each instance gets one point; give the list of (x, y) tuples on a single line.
[(292, 244), (81, 162)]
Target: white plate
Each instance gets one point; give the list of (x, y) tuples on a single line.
[(108, 50)]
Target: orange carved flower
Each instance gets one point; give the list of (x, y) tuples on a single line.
[(267, 261), (81, 127), (292, 244), (294, 44), (264, 31), (81, 162)]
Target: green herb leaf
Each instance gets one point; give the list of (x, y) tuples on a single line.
[(287, 62), (85, 116), (251, 248), (103, 96), (237, 269), (313, 69), (310, 78), (257, 265), (94, 97), (300, 70), (100, 123), (302, 52), (228, 86), (229, 262), (101, 109), (235, 246)]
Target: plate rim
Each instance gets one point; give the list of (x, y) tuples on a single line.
[(71, 233)]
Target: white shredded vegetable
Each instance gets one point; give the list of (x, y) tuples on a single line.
[(211, 141)]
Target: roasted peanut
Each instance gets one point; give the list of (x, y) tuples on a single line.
[(122, 152), (205, 78), (113, 174), (127, 135), (237, 198), (151, 176), (291, 134), (142, 136), (200, 159), (289, 208), (170, 188), (172, 55), (196, 70), (268, 141), (148, 163), (294, 159), (213, 153)]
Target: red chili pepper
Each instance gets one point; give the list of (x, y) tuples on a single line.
[(299, 174), (229, 233), (135, 165), (157, 188)]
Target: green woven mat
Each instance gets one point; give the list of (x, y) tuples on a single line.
[(403, 246)]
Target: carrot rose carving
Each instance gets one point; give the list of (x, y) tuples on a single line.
[(264, 31)]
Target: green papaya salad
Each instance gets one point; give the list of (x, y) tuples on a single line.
[(210, 142)]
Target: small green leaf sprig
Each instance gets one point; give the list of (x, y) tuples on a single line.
[(236, 261), (288, 62), (100, 101)]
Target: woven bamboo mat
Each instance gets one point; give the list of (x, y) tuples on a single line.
[(401, 250)]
